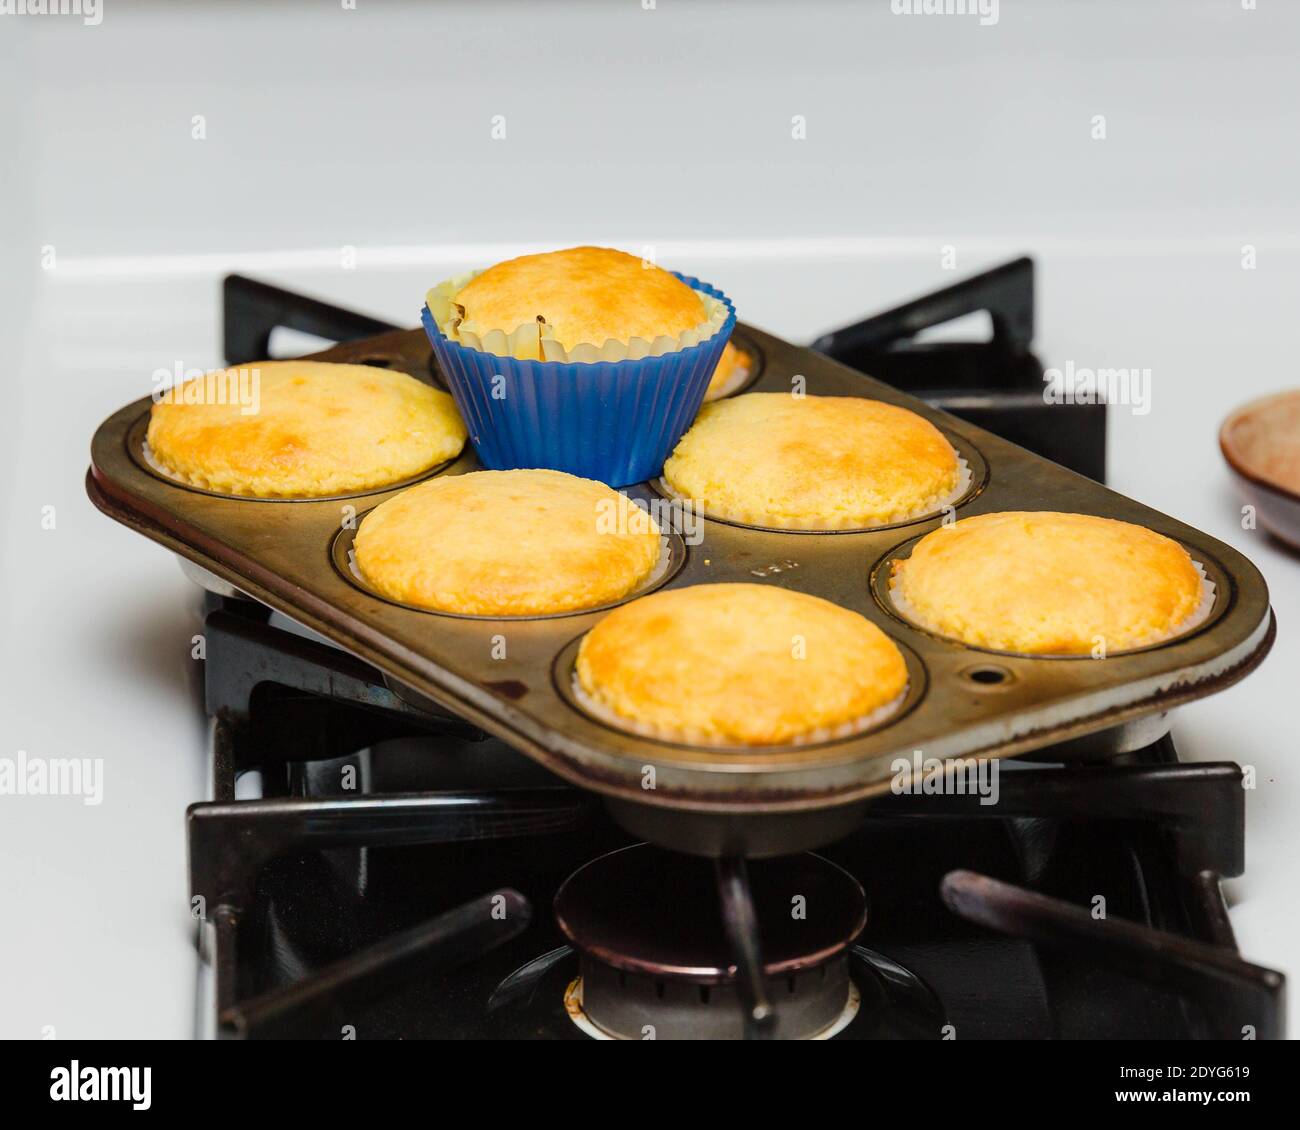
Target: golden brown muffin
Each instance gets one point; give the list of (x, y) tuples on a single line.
[(585, 295), (507, 543), (1044, 583), (812, 462), (739, 665), (307, 429), (733, 368)]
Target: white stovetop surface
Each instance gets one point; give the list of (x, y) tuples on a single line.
[(920, 135)]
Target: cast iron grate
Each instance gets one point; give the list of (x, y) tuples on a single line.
[(1003, 904)]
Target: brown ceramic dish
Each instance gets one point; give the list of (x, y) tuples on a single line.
[(1261, 442)]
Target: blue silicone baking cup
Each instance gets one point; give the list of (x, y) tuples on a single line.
[(616, 421)]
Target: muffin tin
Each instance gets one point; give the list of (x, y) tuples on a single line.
[(291, 556)]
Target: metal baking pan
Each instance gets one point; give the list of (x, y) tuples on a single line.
[(291, 556)]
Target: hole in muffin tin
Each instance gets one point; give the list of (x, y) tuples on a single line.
[(564, 671), (341, 554), (975, 464), (988, 676), (882, 571), (381, 361), (136, 448)]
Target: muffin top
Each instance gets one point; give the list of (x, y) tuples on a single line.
[(507, 543), (813, 462), (738, 665), (585, 295), (302, 429), (1045, 583)]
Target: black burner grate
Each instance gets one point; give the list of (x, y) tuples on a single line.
[(385, 881)]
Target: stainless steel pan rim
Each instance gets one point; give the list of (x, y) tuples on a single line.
[(882, 570)]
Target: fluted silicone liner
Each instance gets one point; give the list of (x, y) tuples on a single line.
[(616, 421)]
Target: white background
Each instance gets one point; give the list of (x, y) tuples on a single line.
[(670, 129)]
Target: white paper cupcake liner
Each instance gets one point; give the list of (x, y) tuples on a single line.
[(687, 736), (535, 341), (202, 482), (1189, 623), (759, 520), (656, 574)]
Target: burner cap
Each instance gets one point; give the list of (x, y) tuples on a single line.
[(645, 910), (648, 926)]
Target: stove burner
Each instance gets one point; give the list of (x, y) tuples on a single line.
[(318, 896), (885, 1001), (574, 1008), (655, 956)]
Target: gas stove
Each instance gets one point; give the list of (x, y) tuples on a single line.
[(348, 895), (371, 866)]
